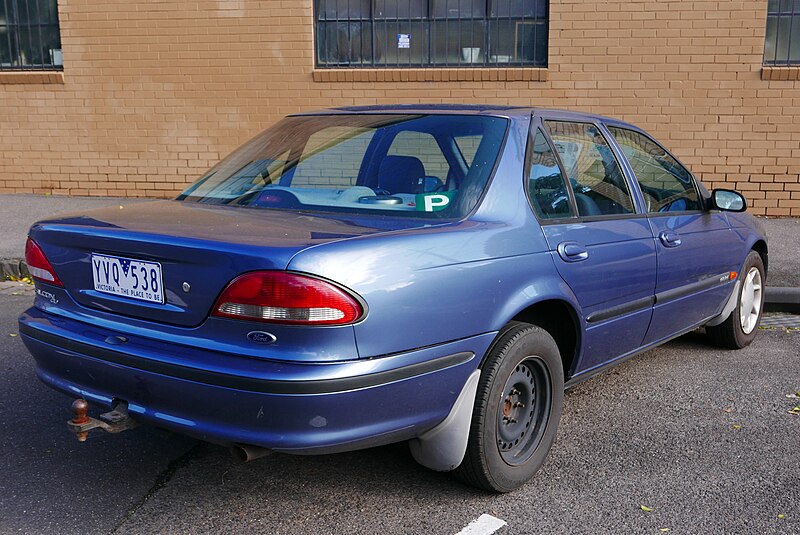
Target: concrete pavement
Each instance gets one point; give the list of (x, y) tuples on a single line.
[(19, 212)]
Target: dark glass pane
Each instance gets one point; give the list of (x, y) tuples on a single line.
[(786, 6), (772, 6), (519, 8), (401, 43), (35, 50), (344, 43), (782, 41), (501, 42), (5, 47), (51, 42), (401, 9), (531, 42), (29, 35), (794, 45), (769, 41), (458, 43), (397, 33), (518, 42), (47, 11), (342, 9), (455, 9)]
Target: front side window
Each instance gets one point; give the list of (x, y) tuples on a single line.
[(406, 165), (666, 185), (782, 43), (594, 174), (427, 33), (29, 35)]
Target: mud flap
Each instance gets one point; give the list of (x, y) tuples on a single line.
[(443, 447)]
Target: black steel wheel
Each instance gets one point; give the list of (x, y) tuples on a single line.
[(517, 408)]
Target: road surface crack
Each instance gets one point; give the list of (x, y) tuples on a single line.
[(162, 479)]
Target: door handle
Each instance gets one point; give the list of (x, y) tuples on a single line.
[(571, 251), (670, 239)]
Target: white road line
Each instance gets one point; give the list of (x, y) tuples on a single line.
[(483, 525)]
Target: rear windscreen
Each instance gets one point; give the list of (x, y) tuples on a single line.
[(407, 165)]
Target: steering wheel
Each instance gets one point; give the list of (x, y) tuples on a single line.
[(276, 198)]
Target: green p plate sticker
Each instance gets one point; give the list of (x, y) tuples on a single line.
[(433, 202)]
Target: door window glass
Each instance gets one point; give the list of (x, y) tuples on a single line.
[(593, 171), (546, 184), (666, 185)]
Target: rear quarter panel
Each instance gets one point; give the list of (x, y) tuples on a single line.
[(431, 285), (427, 289)]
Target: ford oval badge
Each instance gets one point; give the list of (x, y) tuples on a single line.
[(261, 337)]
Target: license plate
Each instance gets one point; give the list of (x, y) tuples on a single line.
[(137, 279)]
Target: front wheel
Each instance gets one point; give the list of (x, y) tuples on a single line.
[(517, 408), (740, 328)]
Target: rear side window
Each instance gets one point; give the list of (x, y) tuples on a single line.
[(546, 184), (594, 173), (666, 185)]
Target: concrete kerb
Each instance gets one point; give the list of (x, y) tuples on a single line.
[(777, 299), (782, 299)]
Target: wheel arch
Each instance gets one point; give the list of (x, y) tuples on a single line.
[(760, 246), (560, 319)]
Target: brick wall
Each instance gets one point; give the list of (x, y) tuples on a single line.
[(155, 91)]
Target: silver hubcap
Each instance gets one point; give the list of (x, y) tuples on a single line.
[(750, 304)]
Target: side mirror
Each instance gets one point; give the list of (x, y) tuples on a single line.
[(728, 200)]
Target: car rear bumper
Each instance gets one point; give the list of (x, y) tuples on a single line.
[(291, 407)]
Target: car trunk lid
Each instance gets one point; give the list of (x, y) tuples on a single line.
[(200, 250)]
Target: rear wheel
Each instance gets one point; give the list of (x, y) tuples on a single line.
[(740, 328), (517, 408)]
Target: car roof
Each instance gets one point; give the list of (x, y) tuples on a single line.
[(469, 109)]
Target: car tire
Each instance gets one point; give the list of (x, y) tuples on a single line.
[(740, 328), (517, 408)]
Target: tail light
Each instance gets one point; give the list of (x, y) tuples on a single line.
[(280, 297), (39, 265)]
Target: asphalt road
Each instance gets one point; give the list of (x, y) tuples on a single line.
[(700, 436)]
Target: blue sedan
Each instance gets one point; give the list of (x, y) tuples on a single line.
[(362, 276)]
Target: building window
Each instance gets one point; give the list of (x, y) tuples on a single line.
[(29, 35), (782, 45), (431, 33)]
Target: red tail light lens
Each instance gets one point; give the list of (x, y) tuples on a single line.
[(280, 297), (39, 265)]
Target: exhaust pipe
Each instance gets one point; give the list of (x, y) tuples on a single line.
[(247, 452)]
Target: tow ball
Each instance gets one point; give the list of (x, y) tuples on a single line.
[(113, 421)]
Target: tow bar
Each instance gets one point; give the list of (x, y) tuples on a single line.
[(113, 421)]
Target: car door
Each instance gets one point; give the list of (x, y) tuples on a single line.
[(696, 249), (600, 242)]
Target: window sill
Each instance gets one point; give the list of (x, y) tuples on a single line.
[(31, 77), (780, 73), (520, 74)]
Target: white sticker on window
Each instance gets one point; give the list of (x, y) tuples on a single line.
[(433, 202)]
